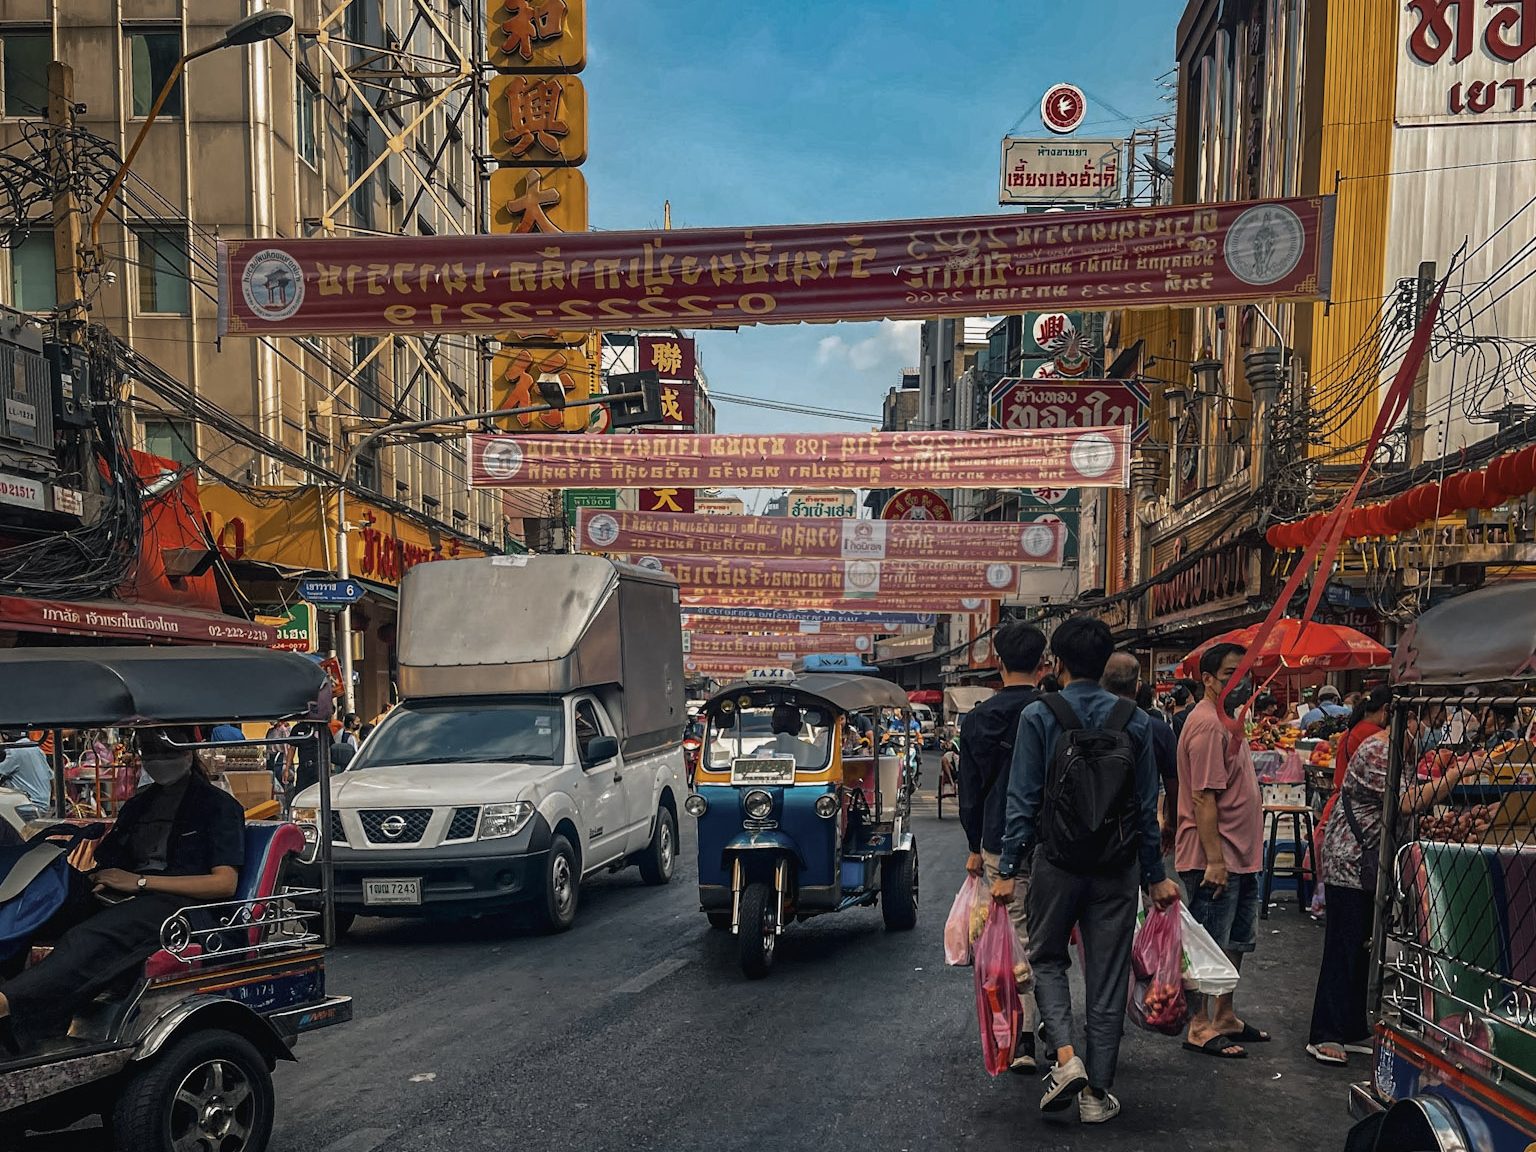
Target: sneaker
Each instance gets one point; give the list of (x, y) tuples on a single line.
[(1024, 1056), (1063, 1082), (1093, 1109)]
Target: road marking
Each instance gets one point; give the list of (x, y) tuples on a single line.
[(653, 974), (363, 1140)]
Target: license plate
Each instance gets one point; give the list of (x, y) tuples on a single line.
[(391, 891), (763, 770)]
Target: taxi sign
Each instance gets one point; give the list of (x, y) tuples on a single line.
[(834, 662), (771, 675)]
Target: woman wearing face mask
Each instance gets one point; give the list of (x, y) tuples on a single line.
[(179, 841)]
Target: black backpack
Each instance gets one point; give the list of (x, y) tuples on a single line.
[(1089, 813)]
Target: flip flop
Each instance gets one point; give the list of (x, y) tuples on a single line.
[(1250, 1035), (1316, 1052), (1217, 1046)]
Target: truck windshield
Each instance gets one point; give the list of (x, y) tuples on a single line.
[(773, 732), (466, 734)]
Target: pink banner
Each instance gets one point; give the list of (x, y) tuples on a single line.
[(869, 580), (1043, 458), (748, 625), (701, 644), (782, 537)]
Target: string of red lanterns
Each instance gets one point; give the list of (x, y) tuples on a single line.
[(1507, 476)]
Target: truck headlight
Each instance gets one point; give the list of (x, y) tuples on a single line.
[(827, 806), (498, 820), (695, 805), (308, 820), (758, 804)]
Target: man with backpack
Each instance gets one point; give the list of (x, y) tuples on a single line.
[(986, 755), (1082, 803)]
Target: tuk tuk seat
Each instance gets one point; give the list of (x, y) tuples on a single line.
[(268, 845)]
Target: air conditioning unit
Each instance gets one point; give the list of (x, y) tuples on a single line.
[(26, 393)]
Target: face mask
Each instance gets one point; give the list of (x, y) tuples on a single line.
[(166, 770)]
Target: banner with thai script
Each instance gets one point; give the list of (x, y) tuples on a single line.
[(804, 617), (773, 537), (1178, 256), (746, 625), (1019, 405), (1044, 458), (701, 644), (799, 600), (841, 578)]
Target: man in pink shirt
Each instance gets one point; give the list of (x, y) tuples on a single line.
[(1218, 850)]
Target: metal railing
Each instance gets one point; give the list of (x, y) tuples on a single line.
[(241, 929)]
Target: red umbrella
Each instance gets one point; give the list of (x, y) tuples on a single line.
[(1315, 646)]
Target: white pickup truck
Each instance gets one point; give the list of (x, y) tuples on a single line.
[(538, 741)]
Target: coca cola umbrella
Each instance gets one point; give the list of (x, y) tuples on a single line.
[(1291, 645)]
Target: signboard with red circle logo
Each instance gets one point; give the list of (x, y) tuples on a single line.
[(917, 504), (1063, 108)]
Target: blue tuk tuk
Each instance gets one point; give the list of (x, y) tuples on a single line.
[(803, 803)]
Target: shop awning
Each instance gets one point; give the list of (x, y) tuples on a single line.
[(121, 620)]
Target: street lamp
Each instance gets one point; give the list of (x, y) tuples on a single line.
[(253, 29)]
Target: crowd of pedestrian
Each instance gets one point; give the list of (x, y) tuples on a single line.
[(1078, 795)]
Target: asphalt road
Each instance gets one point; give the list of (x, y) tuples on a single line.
[(635, 1031)]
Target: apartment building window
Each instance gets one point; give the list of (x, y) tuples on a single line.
[(152, 57), (317, 450), (164, 271), (32, 273), (357, 165), (366, 471), (171, 439), (26, 72), (367, 376), (306, 100)]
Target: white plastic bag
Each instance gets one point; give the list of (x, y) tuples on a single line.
[(1206, 967), (957, 929)]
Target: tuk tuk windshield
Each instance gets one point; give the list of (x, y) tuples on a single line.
[(460, 733), (780, 730)]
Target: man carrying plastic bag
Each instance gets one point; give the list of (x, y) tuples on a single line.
[(1082, 801)]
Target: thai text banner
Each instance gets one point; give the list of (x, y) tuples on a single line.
[(852, 578), (780, 537), (1044, 458), (1176, 256), (812, 616), (701, 644)]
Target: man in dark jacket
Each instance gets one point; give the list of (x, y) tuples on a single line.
[(986, 752)]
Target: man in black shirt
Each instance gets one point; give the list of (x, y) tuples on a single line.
[(1122, 675), (986, 754), (179, 841)]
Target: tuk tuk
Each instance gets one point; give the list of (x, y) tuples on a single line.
[(803, 797), (179, 1054), (1453, 973)]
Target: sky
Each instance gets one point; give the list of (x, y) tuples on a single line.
[(744, 112)]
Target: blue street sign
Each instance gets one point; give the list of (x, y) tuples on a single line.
[(335, 592)]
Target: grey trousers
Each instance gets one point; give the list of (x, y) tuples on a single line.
[(1103, 909)]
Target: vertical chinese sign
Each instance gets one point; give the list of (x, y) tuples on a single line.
[(538, 137), (675, 360)]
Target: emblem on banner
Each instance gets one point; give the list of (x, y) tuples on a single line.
[(972, 604), (999, 576), (602, 530), (861, 578), (502, 459), (1093, 454), (651, 563), (1264, 244), (1038, 539), (273, 284)]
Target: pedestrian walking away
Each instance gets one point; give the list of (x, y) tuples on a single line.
[(1082, 807), (986, 758), (1219, 846)]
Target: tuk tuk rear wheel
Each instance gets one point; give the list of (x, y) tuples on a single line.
[(898, 891), (207, 1089), (756, 934)]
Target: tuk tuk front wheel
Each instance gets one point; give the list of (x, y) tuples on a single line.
[(898, 891), (208, 1089), (756, 931)]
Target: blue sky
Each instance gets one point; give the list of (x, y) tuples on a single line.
[(744, 112)]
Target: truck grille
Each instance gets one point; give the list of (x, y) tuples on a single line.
[(338, 833), (395, 825), (463, 824)]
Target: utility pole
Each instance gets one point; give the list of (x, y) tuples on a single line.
[(1418, 399), (68, 290)]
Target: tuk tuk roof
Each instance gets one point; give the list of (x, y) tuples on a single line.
[(845, 693), (1477, 638), (78, 687)]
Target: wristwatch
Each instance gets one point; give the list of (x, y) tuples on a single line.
[(143, 884)]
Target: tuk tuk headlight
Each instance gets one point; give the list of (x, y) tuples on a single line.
[(695, 805), (498, 820), (827, 806), (758, 804)]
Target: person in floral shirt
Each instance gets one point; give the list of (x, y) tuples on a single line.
[(1353, 835)]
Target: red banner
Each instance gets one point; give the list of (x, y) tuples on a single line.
[(791, 599), (746, 624), (780, 537), (869, 579), (1051, 402), (1054, 458), (116, 619), (702, 644), (1177, 256)]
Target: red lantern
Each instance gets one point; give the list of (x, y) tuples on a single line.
[(1377, 519), (1272, 536), (1523, 472), (1501, 476), (1492, 495), (1400, 516), (1426, 501)]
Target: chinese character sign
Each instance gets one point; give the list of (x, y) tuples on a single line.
[(537, 35), (538, 120), (670, 357), (666, 499), (1175, 256)]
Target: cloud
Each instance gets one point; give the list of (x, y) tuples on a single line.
[(894, 344)]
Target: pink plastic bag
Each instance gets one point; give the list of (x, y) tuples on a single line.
[(998, 1009), (957, 929), (1157, 956)]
